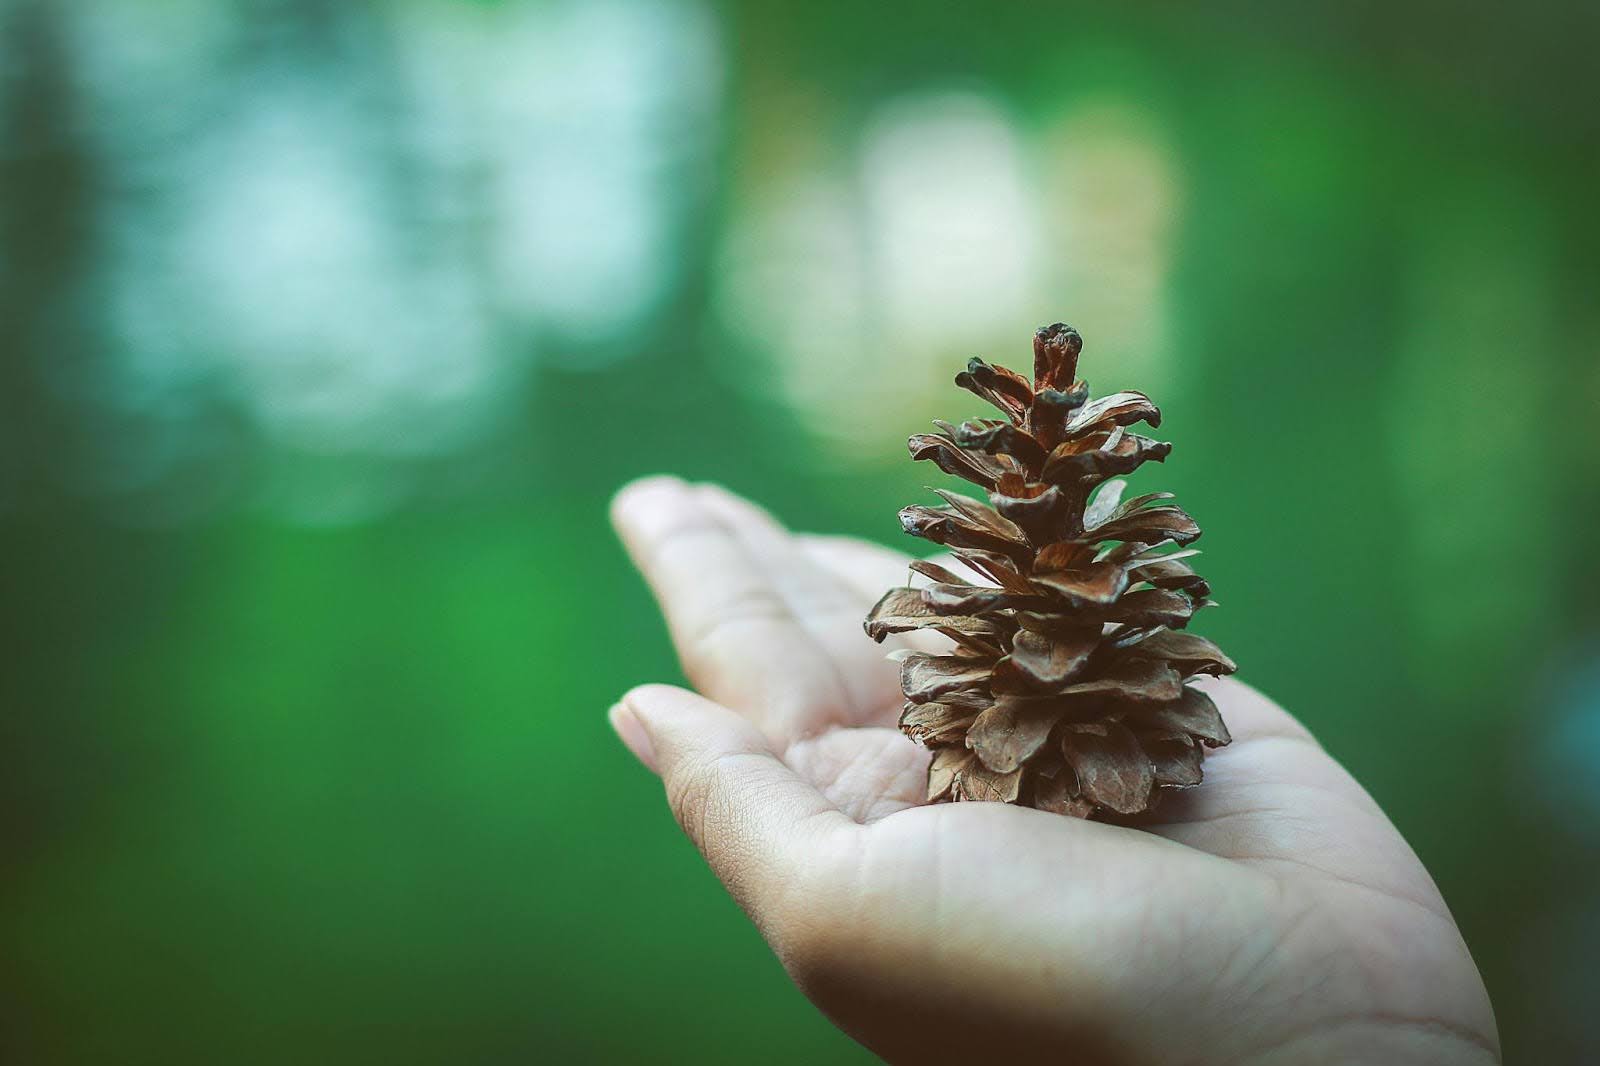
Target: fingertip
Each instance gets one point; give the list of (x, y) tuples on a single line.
[(732, 507), (684, 727), (1249, 712), (642, 495), (646, 698), (666, 712), (738, 802), (658, 709), (625, 723)]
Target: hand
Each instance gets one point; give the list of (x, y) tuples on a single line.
[(1270, 915)]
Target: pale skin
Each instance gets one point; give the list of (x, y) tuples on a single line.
[(1272, 914)]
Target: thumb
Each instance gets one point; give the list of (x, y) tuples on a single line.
[(756, 821)]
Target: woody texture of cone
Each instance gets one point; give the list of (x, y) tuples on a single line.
[(1066, 686)]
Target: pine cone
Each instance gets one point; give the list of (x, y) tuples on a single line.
[(1065, 689)]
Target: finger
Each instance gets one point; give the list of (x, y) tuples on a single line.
[(1269, 747), (759, 825), (861, 564), (1274, 799), (734, 634), (1274, 796), (871, 570), (1251, 716), (830, 610)]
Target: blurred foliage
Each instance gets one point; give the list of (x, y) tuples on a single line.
[(327, 330)]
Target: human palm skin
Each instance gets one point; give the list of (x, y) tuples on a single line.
[(1271, 914)]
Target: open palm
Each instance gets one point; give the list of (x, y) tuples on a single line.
[(1271, 914)]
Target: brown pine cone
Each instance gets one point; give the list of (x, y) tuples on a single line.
[(1065, 689)]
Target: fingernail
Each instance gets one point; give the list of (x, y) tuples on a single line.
[(632, 734)]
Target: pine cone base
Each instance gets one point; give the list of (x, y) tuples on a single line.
[(1068, 683)]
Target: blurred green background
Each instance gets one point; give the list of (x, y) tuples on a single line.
[(327, 329)]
